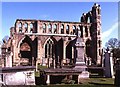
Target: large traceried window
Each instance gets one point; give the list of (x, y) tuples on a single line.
[(49, 49)]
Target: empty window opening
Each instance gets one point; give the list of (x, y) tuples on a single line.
[(31, 28), (55, 28), (67, 29), (50, 28), (20, 27), (44, 28), (74, 30), (86, 31), (26, 27), (62, 29)]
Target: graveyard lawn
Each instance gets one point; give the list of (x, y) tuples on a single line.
[(91, 82)]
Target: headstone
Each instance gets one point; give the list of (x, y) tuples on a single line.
[(108, 64), (80, 61), (22, 75)]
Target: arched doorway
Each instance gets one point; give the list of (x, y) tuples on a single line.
[(26, 52)]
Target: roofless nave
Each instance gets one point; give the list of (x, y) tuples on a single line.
[(53, 43)]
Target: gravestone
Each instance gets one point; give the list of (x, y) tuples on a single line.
[(108, 64), (80, 61), (80, 58), (20, 75)]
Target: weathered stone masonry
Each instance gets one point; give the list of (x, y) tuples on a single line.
[(51, 43)]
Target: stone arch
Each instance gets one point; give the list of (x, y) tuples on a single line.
[(49, 51), (25, 50)]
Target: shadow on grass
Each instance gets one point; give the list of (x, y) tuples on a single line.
[(102, 84)]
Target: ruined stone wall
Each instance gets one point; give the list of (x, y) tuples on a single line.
[(42, 30)]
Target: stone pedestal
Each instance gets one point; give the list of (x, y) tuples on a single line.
[(80, 61)]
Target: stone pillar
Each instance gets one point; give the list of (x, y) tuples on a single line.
[(48, 80), (47, 30), (64, 52), (83, 31), (64, 28), (28, 27)]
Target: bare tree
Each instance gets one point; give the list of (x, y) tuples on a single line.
[(112, 43)]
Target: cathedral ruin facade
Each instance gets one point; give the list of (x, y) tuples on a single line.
[(52, 43)]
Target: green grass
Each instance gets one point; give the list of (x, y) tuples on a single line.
[(91, 82), (40, 68)]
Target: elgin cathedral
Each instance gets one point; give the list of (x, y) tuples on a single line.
[(53, 43)]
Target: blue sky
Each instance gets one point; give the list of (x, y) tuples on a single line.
[(63, 11)]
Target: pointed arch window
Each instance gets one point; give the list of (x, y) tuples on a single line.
[(49, 49)]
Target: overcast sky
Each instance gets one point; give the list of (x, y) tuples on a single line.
[(62, 11)]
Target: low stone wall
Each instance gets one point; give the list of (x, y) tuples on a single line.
[(22, 75)]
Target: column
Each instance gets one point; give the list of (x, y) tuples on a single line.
[(88, 29), (28, 27), (83, 32), (48, 80), (47, 30), (64, 28), (64, 52)]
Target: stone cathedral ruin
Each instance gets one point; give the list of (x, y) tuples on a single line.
[(68, 47)]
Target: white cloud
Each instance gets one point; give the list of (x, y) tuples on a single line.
[(109, 31)]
